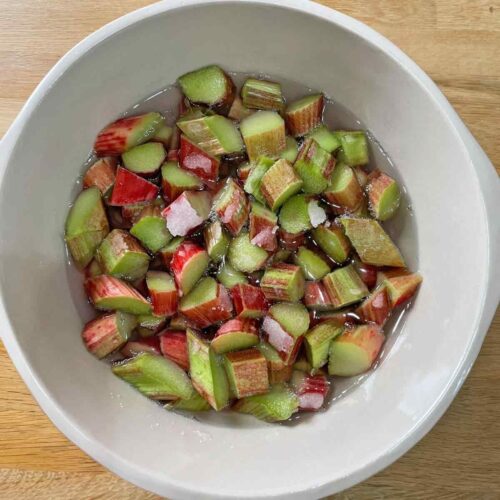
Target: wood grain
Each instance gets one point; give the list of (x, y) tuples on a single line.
[(457, 43)]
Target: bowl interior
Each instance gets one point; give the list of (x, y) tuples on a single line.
[(172, 454)]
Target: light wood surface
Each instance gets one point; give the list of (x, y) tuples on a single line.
[(458, 43)]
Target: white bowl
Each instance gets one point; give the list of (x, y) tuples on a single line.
[(455, 198)]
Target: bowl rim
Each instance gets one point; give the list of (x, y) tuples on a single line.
[(491, 287)]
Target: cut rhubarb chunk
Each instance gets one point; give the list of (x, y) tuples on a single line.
[(294, 215), (105, 334), (134, 347), (173, 345), (314, 166), (361, 175), (247, 373), (313, 265), (188, 265), (187, 212), (130, 213), (194, 403), (402, 288), (317, 342), (155, 376), (304, 115), (303, 365), (234, 335), (101, 175), (145, 159), (168, 251), (179, 322), (291, 150), (150, 229), (238, 111), (230, 277), (216, 241), (197, 161), (163, 293), (376, 308), (372, 243), (244, 171), (310, 389), (283, 282), (86, 226), (207, 372), (253, 182), (263, 227), (149, 324), (125, 133), (210, 86), (176, 180), (130, 188), (231, 206), (164, 135), (316, 297), (249, 301), (109, 293), (354, 147), (279, 404), (344, 191), (333, 242), (264, 134), (208, 303), (244, 256), (325, 138), (262, 94), (355, 351), (344, 286), (384, 196), (279, 183), (278, 370), (121, 255)]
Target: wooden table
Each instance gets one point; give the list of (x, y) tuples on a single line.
[(458, 43)]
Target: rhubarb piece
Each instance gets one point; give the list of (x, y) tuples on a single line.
[(207, 372), (168, 251), (86, 226), (344, 287), (361, 175), (244, 256), (294, 215), (263, 134), (376, 308), (195, 160), (230, 277), (194, 403), (216, 135), (231, 206), (130, 213), (238, 111), (179, 322), (188, 265), (187, 212), (244, 171), (290, 241), (325, 138), (372, 243), (249, 301), (340, 318), (278, 370), (316, 296), (134, 347), (163, 293), (384, 196), (234, 335), (304, 115), (281, 255), (254, 180), (247, 373), (313, 265), (279, 404), (149, 324), (208, 303), (176, 180), (402, 288), (366, 272), (126, 133), (314, 166), (173, 345), (130, 188), (291, 150), (317, 214), (263, 227), (150, 229), (262, 94), (310, 389), (164, 135), (101, 175), (155, 376), (355, 351), (93, 269), (303, 365), (333, 242), (121, 255), (109, 293), (210, 86), (344, 190), (317, 342), (279, 183), (283, 282), (216, 241), (354, 147), (284, 326), (105, 334), (145, 159)]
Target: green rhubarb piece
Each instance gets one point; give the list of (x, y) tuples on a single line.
[(384, 196), (237, 111), (207, 372), (86, 226), (372, 243), (253, 182), (176, 176), (291, 150), (262, 94), (361, 175), (272, 356), (149, 324), (305, 114), (229, 276), (325, 138), (344, 189), (145, 158), (281, 255), (283, 282), (167, 252), (244, 256), (313, 266), (121, 255), (294, 215), (303, 365), (247, 373), (345, 287), (194, 403), (354, 147), (317, 342), (216, 241), (279, 183), (314, 166), (279, 404), (332, 240), (294, 318), (155, 376), (163, 135), (151, 230), (263, 134)]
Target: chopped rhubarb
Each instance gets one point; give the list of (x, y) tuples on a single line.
[(130, 188), (361, 175), (249, 301), (244, 256), (344, 191), (216, 241), (254, 179), (247, 373), (316, 296), (317, 342), (101, 175), (278, 370), (402, 288), (197, 161), (263, 227), (238, 111), (283, 282), (164, 135), (367, 273), (294, 214), (279, 183), (344, 286), (163, 293), (314, 166), (130, 213), (354, 147), (384, 196), (179, 322), (231, 206), (235, 334), (312, 264), (244, 171), (304, 115), (376, 308), (149, 324), (230, 277), (332, 240), (195, 403), (134, 347), (173, 345), (262, 94), (291, 150), (325, 138), (150, 229), (176, 180), (310, 389), (145, 159), (167, 252), (188, 265)]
